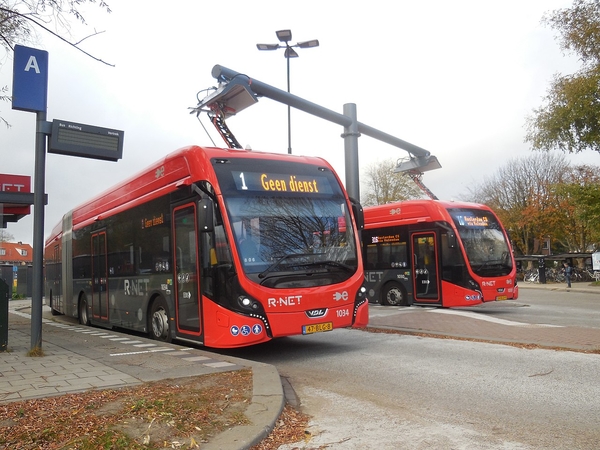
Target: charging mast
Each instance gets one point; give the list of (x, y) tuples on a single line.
[(238, 91)]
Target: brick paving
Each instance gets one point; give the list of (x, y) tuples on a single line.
[(79, 358)]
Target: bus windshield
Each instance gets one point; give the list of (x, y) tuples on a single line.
[(278, 234), (484, 241), (291, 223)]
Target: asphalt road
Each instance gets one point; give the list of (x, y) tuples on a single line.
[(547, 307), (379, 391)]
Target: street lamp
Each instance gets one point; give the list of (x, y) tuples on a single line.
[(285, 36)]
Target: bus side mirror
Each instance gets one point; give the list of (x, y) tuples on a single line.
[(205, 215), (357, 212), (451, 240)]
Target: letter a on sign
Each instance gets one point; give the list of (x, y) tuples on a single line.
[(30, 79), (32, 64)]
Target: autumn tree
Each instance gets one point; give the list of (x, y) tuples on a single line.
[(569, 119), (579, 214), (382, 185), (521, 193)]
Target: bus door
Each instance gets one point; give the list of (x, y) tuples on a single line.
[(56, 299), (425, 273), (188, 311), (99, 277)]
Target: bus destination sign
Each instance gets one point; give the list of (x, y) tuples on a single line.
[(473, 221), (385, 239), (278, 182), (86, 141)]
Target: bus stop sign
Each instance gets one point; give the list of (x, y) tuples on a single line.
[(30, 79)]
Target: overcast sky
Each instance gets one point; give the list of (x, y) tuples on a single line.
[(456, 78)]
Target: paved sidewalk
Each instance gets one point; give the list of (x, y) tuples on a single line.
[(470, 325), (81, 358)]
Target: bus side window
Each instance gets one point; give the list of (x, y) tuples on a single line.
[(205, 215), (215, 256), (451, 237), (386, 256), (209, 261), (371, 257), (399, 255), (453, 265)]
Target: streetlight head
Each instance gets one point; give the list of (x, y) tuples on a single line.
[(308, 44), (290, 53), (267, 46), (284, 35)]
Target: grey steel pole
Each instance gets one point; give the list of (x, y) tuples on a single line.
[(351, 136), (38, 231), (289, 109)]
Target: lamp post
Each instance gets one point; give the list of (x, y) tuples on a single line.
[(285, 36)]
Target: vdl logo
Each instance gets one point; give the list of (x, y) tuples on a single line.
[(316, 312)]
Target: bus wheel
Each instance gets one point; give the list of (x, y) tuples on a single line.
[(159, 321), (393, 295), (82, 311)]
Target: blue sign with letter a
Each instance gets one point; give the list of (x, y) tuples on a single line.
[(30, 79)]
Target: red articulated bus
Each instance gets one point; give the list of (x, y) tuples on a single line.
[(431, 252), (222, 247)]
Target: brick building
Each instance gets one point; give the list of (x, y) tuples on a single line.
[(15, 254), (16, 267)]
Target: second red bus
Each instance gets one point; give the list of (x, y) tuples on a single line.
[(438, 253)]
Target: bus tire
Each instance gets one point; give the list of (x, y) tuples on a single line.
[(393, 294), (82, 311), (158, 321)]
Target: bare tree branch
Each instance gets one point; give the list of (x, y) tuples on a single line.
[(4, 98), (95, 33), (37, 23)]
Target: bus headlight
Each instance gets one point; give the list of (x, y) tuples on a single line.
[(473, 285), (362, 293), (247, 303)]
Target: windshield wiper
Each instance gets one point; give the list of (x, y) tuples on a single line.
[(493, 264), (270, 269), (338, 264)]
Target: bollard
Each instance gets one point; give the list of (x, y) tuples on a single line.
[(3, 316), (542, 270)]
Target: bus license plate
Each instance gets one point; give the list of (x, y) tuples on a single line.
[(502, 297), (317, 328)]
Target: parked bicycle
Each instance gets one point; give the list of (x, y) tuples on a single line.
[(532, 276)]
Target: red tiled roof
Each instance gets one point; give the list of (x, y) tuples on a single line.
[(11, 252)]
